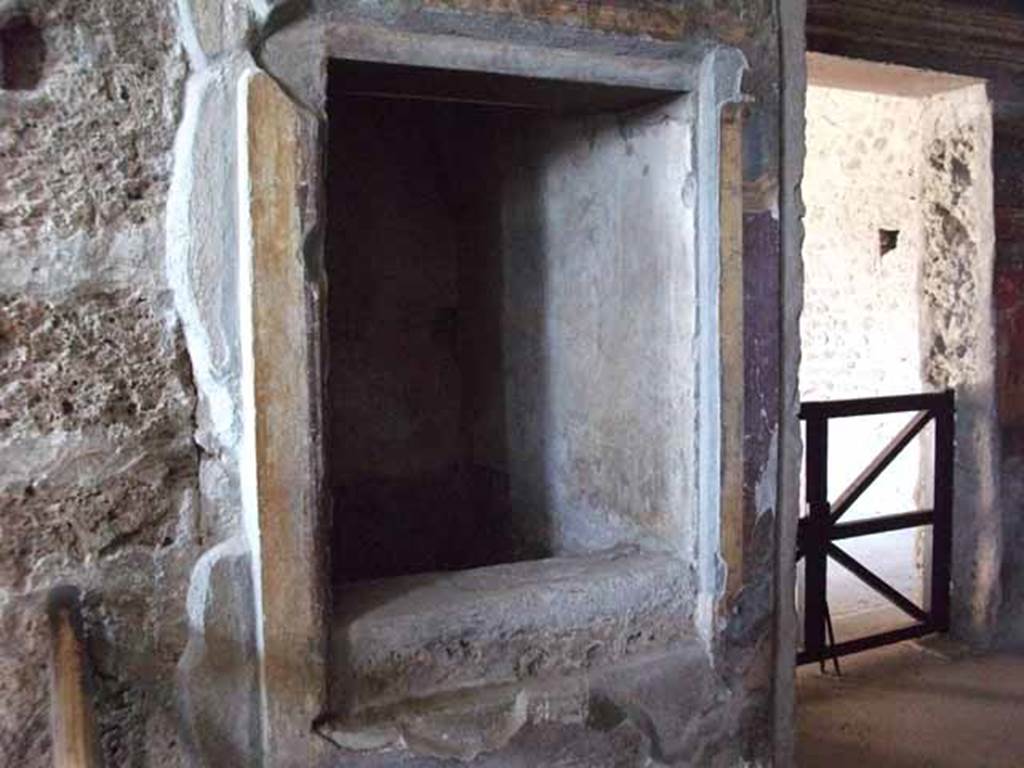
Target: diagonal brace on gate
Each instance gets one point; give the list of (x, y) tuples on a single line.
[(890, 593), (878, 465)]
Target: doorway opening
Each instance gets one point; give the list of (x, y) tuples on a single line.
[(897, 260)]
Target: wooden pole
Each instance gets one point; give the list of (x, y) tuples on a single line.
[(72, 723)]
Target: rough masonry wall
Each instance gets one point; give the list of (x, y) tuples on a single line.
[(98, 470), (958, 336)]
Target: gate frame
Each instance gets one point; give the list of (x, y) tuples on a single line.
[(817, 531)]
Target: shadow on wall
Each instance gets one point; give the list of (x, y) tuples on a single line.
[(426, 313), (22, 54)]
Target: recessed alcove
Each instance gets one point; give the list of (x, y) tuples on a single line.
[(498, 254), (496, 259), (510, 375), (502, 433)]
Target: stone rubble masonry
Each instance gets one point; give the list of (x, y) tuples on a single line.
[(95, 361), (118, 369), (98, 467), (958, 318), (86, 151)]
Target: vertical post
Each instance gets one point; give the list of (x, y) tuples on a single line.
[(815, 541), (942, 530), (734, 527), (72, 722), (278, 303)]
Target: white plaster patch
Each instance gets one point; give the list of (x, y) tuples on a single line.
[(200, 252), (199, 583), (113, 259)]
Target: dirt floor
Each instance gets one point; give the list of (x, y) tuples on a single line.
[(913, 705)]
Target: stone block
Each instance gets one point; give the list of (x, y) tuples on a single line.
[(24, 648), (47, 527), (95, 415)]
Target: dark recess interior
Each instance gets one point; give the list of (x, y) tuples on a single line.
[(417, 258), (22, 54)]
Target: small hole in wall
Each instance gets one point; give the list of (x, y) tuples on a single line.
[(22, 54), (888, 239)]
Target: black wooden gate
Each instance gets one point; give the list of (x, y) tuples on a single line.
[(821, 527)]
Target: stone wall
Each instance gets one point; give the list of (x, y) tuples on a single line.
[(119, 374), (860, 326), (958, 338), (98, 467)]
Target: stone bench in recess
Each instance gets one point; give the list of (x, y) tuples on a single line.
[(404, 640)]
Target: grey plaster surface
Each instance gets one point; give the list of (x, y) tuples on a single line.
[(787, 482)]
